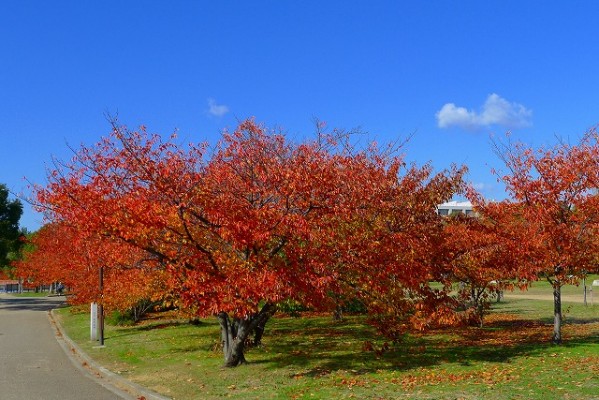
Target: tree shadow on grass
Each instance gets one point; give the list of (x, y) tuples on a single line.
[(159, 325), (191, 337), (320, 350), (578, 321), (135, 330)]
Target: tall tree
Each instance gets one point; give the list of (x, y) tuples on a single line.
[(551, 222), (234, 230), (10, 214), (255, 221)]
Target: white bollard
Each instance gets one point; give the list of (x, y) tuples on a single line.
[(93, 323)]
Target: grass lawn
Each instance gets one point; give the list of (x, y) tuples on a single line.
[(543, 287), (316, 358), (31, 294)]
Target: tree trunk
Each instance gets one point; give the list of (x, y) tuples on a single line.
[(584, 284), (557, 312), (338, 313), (259, 329), (233, 340), (235, 332)]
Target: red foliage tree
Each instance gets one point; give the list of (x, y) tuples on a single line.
[(388, 249), (58, 253), (258, 220), (476, 258), (551, 223)]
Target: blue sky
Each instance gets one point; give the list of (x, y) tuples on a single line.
[(450, 72)]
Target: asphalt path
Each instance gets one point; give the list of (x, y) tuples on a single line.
[(33, 365)]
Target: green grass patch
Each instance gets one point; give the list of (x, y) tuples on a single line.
[(318, 358), (31, 294), (544, 287)]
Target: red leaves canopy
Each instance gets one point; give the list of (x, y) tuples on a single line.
[(59, 253), (258, 218), (551, 226)]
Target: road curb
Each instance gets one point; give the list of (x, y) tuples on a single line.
[(116, 383)]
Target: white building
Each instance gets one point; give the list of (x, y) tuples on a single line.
[(455, 207)]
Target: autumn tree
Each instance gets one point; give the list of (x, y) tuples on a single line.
[(132, 279), (233, 231), (552, 218), (477, 266), (387, 250), (258, 219)]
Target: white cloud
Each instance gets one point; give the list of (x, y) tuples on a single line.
[(495, 111), (218, 110), (481, 187)]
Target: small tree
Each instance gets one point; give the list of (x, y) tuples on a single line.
[(476, 258), (388, 250), (551, 222), (132, 279)]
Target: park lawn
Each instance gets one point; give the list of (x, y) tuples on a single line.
[(31, 294), (314, 357), (542, 287)]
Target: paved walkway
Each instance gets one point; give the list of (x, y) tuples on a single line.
[(32, 363)]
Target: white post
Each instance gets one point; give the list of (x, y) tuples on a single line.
[(93, 323)]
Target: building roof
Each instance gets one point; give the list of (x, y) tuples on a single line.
[(456, 204)]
